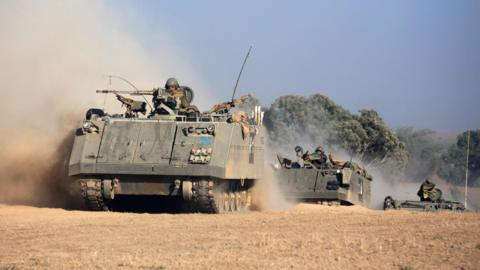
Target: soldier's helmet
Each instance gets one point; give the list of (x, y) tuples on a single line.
[(319, 149), (171, 83), (298, 149)]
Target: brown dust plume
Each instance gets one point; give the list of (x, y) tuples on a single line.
[(53, 56)]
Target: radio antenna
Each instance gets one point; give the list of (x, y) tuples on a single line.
[(466, 167), (241, 70)]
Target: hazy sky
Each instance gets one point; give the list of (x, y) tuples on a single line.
[(416, 62)]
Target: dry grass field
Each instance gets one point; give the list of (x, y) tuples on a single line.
[(303, 237)]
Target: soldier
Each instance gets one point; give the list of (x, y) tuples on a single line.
[(318, 158), (173, 88), (172, 84), (427, 191), (172, 100)]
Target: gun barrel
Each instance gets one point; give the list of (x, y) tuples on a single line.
[(104, 91), (133, 93)]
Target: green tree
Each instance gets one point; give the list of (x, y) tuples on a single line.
[(453, 162), (382, 146)]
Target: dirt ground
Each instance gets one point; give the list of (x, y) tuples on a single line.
[(303, 237)]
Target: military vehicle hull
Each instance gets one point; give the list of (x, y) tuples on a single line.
[(210, 163), (343, 186), (440, 205)]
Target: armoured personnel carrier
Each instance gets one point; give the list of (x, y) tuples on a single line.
[(210, 160), (316, 178), (430, 200)]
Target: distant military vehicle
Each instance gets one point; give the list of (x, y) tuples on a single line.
[(430, 200), (209, 160), (315, 178)]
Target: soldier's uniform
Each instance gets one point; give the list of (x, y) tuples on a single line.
[(174, 97), (425, 191), (318, 158)]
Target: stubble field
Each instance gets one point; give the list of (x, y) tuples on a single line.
[(303, 237)]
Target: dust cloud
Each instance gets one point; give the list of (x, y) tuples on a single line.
[(53, 56), (381, 188), (267, 194), (37, 177)]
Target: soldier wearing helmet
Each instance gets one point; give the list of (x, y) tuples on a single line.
[(172, 85), (428, 192), (173, 98), (173, 89), (318, 158)]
